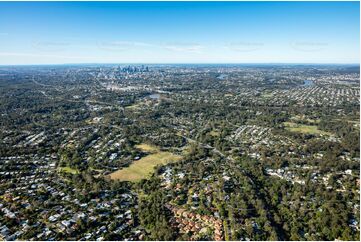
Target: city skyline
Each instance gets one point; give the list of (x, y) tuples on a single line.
[(179, 32)]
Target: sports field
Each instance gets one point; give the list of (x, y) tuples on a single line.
[(144, 167), (305, 129)]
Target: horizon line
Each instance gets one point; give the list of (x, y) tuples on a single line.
[(185, 63)]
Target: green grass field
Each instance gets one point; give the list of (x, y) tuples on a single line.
[(214, 133), (303, 118), (133, 106), (67, 169), (147, 148), (138, 105), (144, 167), (266, 95), (305, 129)]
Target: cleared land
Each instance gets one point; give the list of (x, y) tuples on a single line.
[(267, 95), (138, 105), (214, 133), (67, 169), (305, 129), (304, 118), (144, 167), (134, 106), (147, 148)]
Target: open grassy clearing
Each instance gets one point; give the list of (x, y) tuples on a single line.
[(266, 95), (186, 150), (147, 148), (134, 106), (214, 133), (144, 167), (304, 118), (70, 145), (67, 169), (305, 129), (140, 104)]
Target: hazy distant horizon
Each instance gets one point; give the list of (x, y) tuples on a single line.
[(180, 64), (179, 32)]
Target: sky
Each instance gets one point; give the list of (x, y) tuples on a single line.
[(179, 32)]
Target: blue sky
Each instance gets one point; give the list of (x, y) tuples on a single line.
[(179, 32)]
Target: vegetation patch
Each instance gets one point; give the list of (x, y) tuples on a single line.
[(214, 133), (143, 168), (300, 118), (355, 123), (305, 129), (267, 95), (134, 106), (68, 169), (147, 148)]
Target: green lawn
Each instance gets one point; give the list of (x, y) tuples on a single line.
[(144, 167), (67, 169), (214, 133), (147, 148), (304, 118), (134, 106), (266, 95), (305, 129)]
